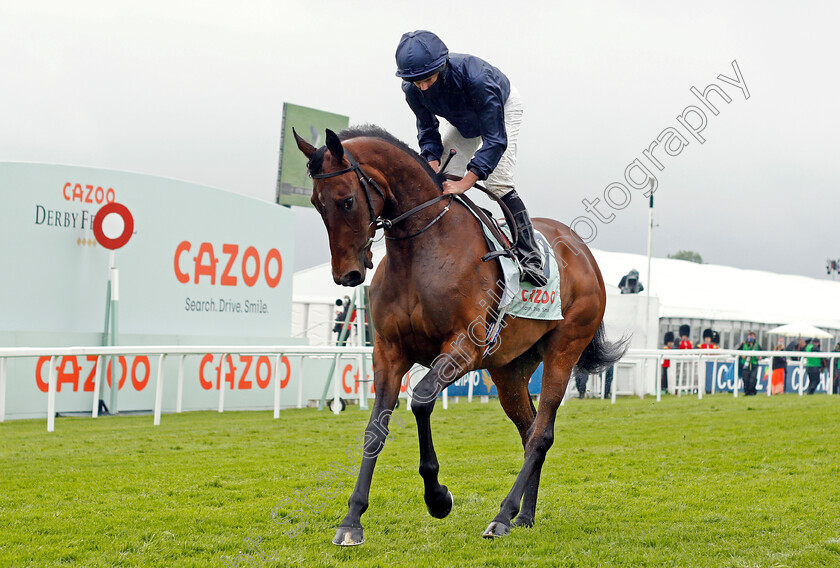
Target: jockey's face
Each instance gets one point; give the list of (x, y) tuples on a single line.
[(427, 82)]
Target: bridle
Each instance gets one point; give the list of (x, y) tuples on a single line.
[(376, 221)]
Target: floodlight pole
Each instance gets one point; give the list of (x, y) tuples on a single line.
[(649, 247), (647, 290)]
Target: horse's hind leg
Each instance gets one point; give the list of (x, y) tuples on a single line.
[(560, 357), (512, 385)]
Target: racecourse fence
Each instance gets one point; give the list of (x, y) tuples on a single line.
[(639, 372)]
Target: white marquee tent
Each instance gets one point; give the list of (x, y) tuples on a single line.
[(713, 292), (685, 290)]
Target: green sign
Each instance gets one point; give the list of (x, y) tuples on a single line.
[(293, 184)]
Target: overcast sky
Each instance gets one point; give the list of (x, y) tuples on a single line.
[(195, 90)]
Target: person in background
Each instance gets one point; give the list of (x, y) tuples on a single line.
[(630, 283), (708, 340), (683, 368), (779, 366), (581, 378), (749, 365), (685, 343), (796, 345), (715, 340), (836, 364), (666, 363), (813, 365), (340, 316), (608, 379), (708, 334)]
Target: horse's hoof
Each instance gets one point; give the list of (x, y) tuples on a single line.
[(496, 530), (348, 536), (441, 510), (521, 521)]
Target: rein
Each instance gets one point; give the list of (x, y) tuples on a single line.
[(379, 222), (388, 223)]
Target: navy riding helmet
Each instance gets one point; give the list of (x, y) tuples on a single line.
[(419, 55)]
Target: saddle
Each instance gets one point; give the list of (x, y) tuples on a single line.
[(486, 218), (503, 250)]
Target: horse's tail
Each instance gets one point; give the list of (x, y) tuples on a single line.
[(600, 354)]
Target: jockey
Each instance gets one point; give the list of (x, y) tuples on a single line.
[(483, 114)]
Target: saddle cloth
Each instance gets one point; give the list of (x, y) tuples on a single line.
[(522, 299)]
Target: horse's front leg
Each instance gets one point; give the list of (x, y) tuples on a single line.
[(445, 370), (389, 367)]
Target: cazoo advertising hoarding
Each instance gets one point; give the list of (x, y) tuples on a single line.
[(201, 266)]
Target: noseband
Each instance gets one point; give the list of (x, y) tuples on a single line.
[(379, 222)]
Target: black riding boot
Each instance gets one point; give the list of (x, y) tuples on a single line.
[(526, 245)]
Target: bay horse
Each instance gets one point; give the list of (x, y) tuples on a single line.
[(432, 299)]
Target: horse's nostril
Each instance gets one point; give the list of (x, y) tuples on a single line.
[(353, 278)]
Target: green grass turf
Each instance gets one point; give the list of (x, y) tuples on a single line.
[(718, 482)]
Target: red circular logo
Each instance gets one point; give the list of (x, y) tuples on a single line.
[(128, 225)]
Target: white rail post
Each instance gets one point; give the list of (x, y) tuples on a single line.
[(470, 386), (179, 397), (446, 398), (51, 397), (222, 383), (336, 393), (94, 411), (300, 382), (714, 375), (277, 359), (689, 377), (736, 375), (603, 376), (159, 389), (598, 385), (677, 377), (3, 389), (639, 388), (701, 377), (658, 383)]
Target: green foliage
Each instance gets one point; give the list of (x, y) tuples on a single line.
[(688, 255), (717, 482)]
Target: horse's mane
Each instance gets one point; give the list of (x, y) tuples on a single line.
[(316, 162)]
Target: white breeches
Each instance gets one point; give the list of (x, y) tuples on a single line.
[(501, 180)]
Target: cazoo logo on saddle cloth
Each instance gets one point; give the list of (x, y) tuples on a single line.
[(522, 299)]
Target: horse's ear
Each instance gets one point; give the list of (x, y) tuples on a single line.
[(334, 145), (304, 146)]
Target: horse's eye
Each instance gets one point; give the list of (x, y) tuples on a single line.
[(347, 204)]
